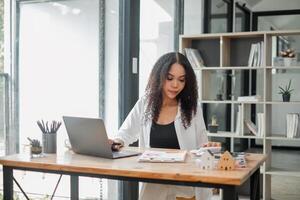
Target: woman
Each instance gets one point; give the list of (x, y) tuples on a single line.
[(167, 116)]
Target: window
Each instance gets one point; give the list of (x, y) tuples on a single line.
[(58, 70), (156, 35)]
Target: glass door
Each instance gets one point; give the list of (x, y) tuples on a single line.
[(58, 63), (58, 74)]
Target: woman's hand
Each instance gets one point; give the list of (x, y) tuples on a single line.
[(116, 144), (212, 144)]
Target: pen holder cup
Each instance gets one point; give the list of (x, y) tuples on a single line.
[(49, 142)]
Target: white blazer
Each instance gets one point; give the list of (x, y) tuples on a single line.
[(136, 127)]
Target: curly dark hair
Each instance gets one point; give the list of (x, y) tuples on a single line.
[(188, 97)]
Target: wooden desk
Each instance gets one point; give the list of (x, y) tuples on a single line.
[(130, 169)]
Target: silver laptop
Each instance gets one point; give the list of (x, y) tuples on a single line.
[(88, 136)]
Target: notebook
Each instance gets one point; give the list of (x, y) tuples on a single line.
[(88, 136), (162, 156)]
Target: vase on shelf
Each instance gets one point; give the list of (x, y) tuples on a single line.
[(289, 61)]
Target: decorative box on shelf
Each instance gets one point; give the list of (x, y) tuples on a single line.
[(284, 61)]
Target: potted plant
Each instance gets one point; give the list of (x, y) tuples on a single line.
[(213, 126), (35, 146), (49, 130), (286, 92)]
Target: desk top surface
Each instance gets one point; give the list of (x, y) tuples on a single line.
[(130, 167)]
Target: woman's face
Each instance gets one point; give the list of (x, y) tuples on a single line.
[(174, 82)]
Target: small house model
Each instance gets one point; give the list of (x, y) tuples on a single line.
[(226, 161), (206, 161)]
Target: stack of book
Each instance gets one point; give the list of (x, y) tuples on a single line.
[(194, 58), (256, 54), (292, 120)]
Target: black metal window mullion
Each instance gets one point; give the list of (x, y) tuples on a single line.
[(178, 22), (128, 81), (247, 15), (230, 16)]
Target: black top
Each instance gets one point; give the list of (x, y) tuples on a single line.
[(163, 136)]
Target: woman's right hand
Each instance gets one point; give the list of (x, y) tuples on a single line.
[(116, 144)]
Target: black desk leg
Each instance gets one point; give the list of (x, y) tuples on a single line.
[(229, 193), (255, 185), (8, 190), (74, 187)]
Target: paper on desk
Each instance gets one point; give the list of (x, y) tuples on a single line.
[(162, 156)]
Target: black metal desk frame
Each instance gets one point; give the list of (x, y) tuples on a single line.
[(229, 191)]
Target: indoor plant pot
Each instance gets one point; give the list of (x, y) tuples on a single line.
[(286, 92), (286, 97)]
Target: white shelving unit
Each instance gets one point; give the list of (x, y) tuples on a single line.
[(229, 52)]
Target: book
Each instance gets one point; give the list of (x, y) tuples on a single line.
[(260, 124), (239, 128), (251, 55), (197, 58), (162, 156), (251, 126), (261, 53), (194, 58), (292, 120), (188, 54), (256, 54)]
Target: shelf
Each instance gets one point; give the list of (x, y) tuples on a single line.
[(231, 68), (281, 137), (231, 135), (248, 68), (234, 102), (226, 58), (283, 103), (283, 172), (283, 67)]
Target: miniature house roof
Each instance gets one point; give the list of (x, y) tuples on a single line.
[(226, 161)]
